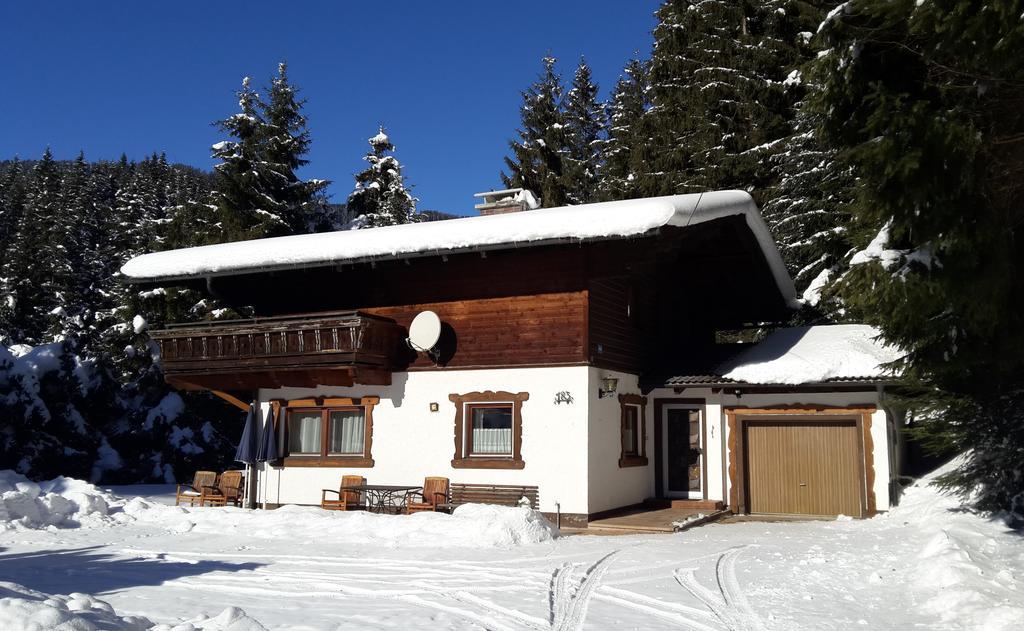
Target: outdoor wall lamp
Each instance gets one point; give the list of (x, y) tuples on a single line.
[(607, 387)]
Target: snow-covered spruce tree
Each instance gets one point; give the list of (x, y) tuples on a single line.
[(537, 162), (302, 204), (808, 208), (619, 150), (258, 191), (923, 100), (244, 179), (380, 197), (584, 118), (35, 256), (717, 94), (12, 204)]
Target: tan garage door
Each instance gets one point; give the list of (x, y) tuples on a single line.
[(803, 467)]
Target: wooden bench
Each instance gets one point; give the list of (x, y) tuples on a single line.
[(500, 494)]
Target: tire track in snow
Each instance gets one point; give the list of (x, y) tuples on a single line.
[(730, 604), (569, 595)]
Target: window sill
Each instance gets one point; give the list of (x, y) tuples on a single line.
[(487, 463), (632, 461), (333, 461)]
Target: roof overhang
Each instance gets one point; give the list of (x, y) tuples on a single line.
[(568, 224)]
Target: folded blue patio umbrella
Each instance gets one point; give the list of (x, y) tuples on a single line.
[(267, 451), (246, 451)]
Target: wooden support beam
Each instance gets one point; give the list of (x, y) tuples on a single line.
[(238, 403)]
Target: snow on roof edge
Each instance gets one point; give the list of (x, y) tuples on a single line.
[(586, 222), (819, 354)]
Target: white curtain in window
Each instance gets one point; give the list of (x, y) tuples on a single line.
[(304, 434), (346, 432), (488, 440)]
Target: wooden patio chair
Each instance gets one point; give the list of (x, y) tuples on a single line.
[(190, 492), (347, 500), (434, 493), (229, 488)]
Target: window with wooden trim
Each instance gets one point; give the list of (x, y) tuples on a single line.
[(633, 430), (325, 432), (488, 430)]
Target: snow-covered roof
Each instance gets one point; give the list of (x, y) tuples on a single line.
[(587, 222), (805, 355)]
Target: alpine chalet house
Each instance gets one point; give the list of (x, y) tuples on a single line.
[(569, 349)]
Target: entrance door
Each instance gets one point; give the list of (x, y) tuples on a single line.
[(683, 453)]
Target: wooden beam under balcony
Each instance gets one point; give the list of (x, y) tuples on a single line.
[(339, 349)]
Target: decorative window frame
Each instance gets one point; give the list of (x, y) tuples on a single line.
[(325, 404), (463, 460), (639, 459)]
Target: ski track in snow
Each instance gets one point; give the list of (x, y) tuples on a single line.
[(461, 589), (730, 604)]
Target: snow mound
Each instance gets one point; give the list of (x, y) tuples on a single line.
[(965, 571), (813, 354), (59, 502), (473, 526), (24, 609)]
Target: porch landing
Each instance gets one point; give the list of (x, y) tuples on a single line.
[(651, 520)]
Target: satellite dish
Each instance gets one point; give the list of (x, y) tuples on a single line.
[(424, 331)]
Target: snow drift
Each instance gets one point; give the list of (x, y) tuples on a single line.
[(24, 609), (58, 502), (69, 503), (475, 526)]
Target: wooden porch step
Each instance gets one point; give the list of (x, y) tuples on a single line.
[(666, 502)]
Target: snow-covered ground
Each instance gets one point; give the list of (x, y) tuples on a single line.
[(145, 565)]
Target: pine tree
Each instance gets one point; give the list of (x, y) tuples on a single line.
[(12, 205), (584, 118), (380, 197), (36, 254), (717, 94), (537, 160), (246, 207), (303, 205), (808, 210), (620, 152), (923, 100)]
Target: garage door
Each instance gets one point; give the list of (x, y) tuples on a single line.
[(803, 467)]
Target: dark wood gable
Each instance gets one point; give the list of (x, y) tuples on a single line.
[(632, 304)]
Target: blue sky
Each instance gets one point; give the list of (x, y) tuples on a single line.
[(444, 77)]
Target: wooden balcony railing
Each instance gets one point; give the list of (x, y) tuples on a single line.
[(339, 348)]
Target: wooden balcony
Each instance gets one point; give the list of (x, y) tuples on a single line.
[(322, 349)]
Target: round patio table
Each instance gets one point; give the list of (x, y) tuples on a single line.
[(380, 498)]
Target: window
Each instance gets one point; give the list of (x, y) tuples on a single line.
[(630, 433), (492, 429), (488, 430), (329, 432), (633, 430)]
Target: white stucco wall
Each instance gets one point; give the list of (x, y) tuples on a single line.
[(610, 485), (410, 442), (716, 404)]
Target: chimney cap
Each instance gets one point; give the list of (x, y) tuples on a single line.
[(508, 192)]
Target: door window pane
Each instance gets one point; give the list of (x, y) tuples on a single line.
[(346, 431), (304, 432), (695, 451), (492, 430)]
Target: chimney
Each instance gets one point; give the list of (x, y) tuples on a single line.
[(511, 200)]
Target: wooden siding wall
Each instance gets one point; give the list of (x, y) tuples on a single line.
[(621, 314), (514, 331)]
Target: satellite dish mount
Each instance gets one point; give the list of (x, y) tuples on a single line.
[(424, 333)]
